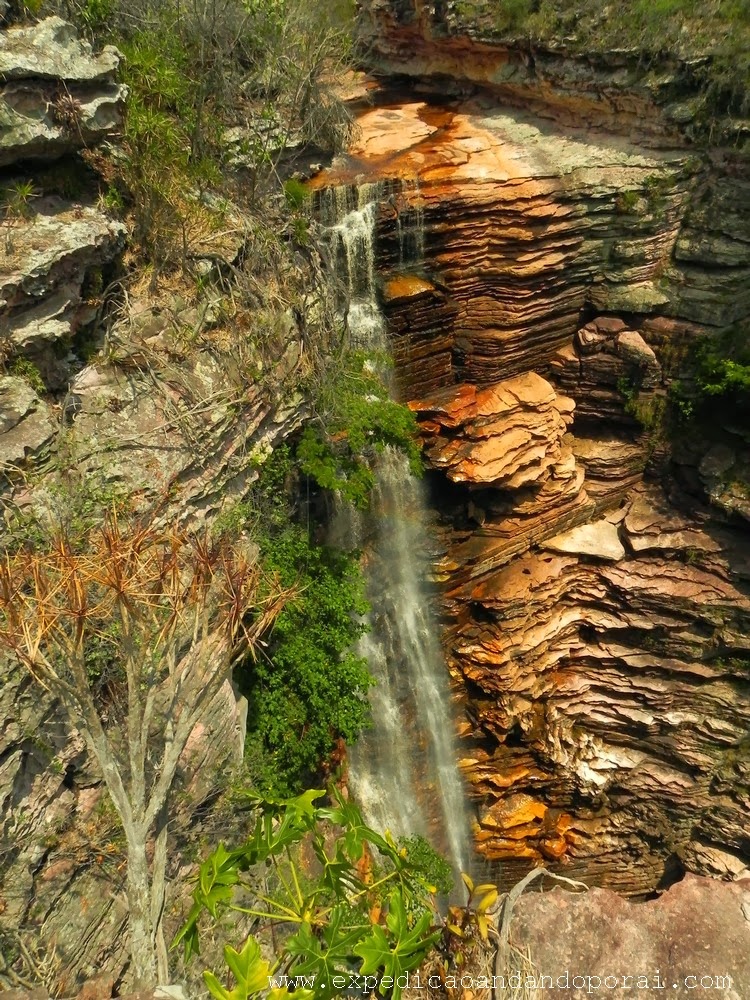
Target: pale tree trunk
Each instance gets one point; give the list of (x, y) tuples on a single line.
[(146, 896), (140, 925), (158, 895)]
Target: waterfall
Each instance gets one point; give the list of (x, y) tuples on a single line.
[(404, 771), (410, 222)]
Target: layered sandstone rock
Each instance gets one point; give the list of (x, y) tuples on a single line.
[(597, 622), (509, 435), (616, 85)]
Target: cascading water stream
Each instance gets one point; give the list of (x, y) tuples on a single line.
[(404, 771)]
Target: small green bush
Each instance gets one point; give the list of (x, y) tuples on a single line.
[(718, 383), (296, 193), (28, 371), (358, 419), (310, 687), (420, 853), (511, 13)]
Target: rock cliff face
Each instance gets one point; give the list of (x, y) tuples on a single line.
[(56, 96), (166, 415), (596, 603)]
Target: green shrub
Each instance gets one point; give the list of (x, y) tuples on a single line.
[(310, 687), (718, 384), (296, 193), (511, 13), (420, 853), (358, 419), (28, 371), (626, 203)]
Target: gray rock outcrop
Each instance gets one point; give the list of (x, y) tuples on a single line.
[(27, 428), (56, 95), (45, 261)]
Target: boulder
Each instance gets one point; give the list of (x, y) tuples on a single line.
[(693, 938)]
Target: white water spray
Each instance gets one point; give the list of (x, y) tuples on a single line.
[(404, 770)]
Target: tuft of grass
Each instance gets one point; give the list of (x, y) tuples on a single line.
[(18, 198), (28, 371)]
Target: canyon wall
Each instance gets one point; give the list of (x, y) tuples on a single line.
[(596, 571)]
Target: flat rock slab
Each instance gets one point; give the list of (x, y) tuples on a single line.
[(599, 538), (694, 940), (51, 49)]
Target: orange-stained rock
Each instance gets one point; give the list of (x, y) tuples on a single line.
[(508, 435), (543, 300), (405, 286)]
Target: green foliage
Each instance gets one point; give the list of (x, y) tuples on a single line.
[(112, 200), (653, 10), (358, 420), (394, 949), (626, 203), (28, 371), (71, 506), (718, 383), (425, 859), (103, 657), (296, 193), (95, 14), (329, 917), (309, 689), (724, 368), (511, 13)]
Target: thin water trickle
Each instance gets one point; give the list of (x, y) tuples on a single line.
[(404, 771)]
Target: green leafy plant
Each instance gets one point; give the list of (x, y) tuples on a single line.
[(193, 72), (340, 918), (309, 690), (26, 369), (423, 856), (357, 420), (717, 382), (462, 920)]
